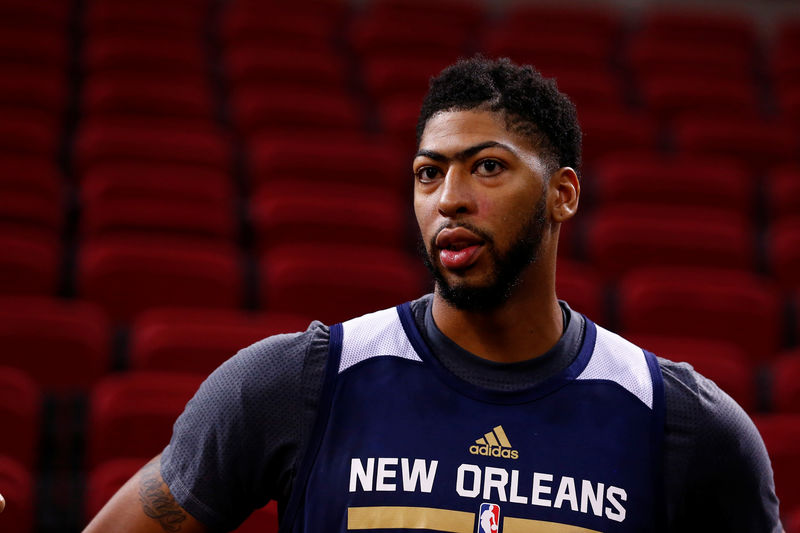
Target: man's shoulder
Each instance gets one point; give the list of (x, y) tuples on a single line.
[(699, 409), (273, 361), (285, 345)]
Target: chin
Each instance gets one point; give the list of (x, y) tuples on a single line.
[(473, 297)]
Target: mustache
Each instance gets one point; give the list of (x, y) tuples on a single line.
[(485, 236)]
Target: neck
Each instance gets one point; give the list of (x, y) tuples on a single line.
[(524, 327)]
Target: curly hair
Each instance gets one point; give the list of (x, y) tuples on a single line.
[(532, 105)]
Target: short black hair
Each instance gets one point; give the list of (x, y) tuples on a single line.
[(531, 103)]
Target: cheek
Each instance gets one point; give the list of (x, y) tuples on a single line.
[(421, 213)]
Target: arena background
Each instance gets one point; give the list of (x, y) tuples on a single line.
[(179, 179)]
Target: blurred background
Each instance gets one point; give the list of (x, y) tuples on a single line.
[(180, 179)]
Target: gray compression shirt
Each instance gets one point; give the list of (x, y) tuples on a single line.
[(239, 441)]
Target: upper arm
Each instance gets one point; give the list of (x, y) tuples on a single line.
[(718, 474), (236, 444), (144, 505)]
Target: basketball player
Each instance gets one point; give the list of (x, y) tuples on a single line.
[(489, 400)]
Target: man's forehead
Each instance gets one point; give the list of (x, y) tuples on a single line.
[(454, 131)]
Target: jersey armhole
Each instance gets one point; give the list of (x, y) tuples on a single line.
[(659, 417), (317, 432)]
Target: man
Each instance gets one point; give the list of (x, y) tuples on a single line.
[(488, 401)]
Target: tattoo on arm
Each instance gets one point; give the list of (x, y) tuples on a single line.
[(157, 502)]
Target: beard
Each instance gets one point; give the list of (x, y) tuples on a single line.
[(507, 267)]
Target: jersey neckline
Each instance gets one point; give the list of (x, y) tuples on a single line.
[(532, 393)]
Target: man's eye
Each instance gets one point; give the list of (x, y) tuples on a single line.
[(427, 173), (489, 167)]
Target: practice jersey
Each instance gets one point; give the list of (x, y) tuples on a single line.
[(402, 444)]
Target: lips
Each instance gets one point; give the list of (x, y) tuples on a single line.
[(459, 248)]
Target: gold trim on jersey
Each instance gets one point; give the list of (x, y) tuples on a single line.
[(444, 520), (410, 518), (522, 525)]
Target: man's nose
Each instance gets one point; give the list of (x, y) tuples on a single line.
[(457, 194)]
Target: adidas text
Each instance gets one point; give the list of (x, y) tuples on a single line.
[(493, 451)]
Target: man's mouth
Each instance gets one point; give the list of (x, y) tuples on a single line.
[(459, 248)]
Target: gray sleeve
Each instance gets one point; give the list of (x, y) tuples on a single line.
[(718, 475), (236, 445)]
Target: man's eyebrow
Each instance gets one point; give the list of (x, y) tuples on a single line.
[(464, 154)]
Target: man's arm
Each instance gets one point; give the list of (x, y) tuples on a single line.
[(144, 505)]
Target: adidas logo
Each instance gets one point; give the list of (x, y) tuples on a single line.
[(494, 444)]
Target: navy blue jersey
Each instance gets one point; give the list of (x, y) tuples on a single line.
[(402, 444)]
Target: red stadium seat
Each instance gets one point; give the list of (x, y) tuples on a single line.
[(187, 219), (63, 345), (398, 120), (788, 92), (786, 382), (18, 490), (137, 140), (308, 212), (336, 282), (792, 520), (653, 180), (621, 238), (392, 79), (156, 181), (43, 88), (783, 191), (592, 90), (269, 26), (385, 35), (105, 480), (40, 14), (34, 175), (784, 56), (138, 95), (148, 56), (29, 264), (731, 29), (456, 13), (668, 96), (326, 161), (580, 286), (21, 412), (781, 433), (276, 110), (131, 415), (34, 46), (126, 278), (257, 66), (29, 132), (723, 362), (176, 17), (653, 56), (703, 303), (31, 211), (608, 132), (199, 340), (754, 142), (602, 22), (544, 49), (784, 250)]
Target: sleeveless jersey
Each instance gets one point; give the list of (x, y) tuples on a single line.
[(401, 444)]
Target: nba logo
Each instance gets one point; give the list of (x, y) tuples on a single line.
[(489, 518)]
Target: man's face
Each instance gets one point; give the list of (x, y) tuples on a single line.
[(479, 198)]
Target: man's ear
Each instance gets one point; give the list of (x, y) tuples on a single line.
[(565, 191)]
